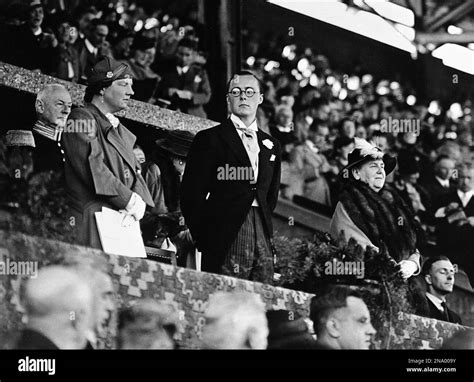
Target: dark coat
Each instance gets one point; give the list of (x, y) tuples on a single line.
[(214, 210), (31, 339), (194, 80), (457, 241), (453, 197), (437, 193), (100, 170), (32, 52), (434, 312), (63, 55), (87, 60), (47, 154)]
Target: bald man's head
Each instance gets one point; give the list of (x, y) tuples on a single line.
[(56, 290), (235, 320), (53, 104), (59, 303)]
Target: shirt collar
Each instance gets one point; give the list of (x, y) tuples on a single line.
[(465, 195), (91, 48), (443, 182), (183, 69), (284, 129), (239, 124), (435, 300), (114, 121), (38, 32)]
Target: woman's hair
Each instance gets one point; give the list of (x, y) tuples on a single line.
[(93, 90)]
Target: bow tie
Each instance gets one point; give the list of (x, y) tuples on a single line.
[(113, 120), (248, 132)]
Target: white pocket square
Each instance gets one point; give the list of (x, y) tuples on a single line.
[(272, 158)]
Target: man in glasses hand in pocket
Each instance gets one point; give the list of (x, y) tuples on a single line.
[(230, 188)]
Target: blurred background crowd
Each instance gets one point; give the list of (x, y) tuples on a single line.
[(313, 109)]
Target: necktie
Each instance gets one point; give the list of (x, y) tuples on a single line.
[(445, 311), (249, 139)]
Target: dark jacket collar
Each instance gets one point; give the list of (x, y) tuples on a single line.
[(32, 339)]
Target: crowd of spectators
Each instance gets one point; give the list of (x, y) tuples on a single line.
[(163, 51), (338, 319), (316, 112)]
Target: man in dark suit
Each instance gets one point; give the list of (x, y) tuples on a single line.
[(185, 83), (455, 221), (464, 191), (34, 47), (439, 185), (230, 188), (100, 168), (91, 47), (438, 272), (49, 300)]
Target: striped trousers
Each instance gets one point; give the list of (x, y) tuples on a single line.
[(250, 256)]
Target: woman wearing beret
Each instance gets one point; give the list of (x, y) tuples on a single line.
[(101, 169), (372, 212)]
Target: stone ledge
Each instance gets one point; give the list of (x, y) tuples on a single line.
[(187, 290), (27, 81)]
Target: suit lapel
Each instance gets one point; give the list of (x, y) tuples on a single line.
[(263, 156), (231, 137)]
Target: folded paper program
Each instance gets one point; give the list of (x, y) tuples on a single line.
[(117, 238)]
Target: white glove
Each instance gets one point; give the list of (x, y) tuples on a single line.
[(407, 268), (136, 206), (168, 245)]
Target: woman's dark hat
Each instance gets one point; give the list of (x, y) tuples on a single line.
[(121, 34), (107, 70), (408, 164), (364, 151), (177, 143), (142, 43)]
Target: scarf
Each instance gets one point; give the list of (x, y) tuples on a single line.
[(384, 217)]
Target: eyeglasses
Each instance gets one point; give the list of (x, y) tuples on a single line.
[(236, 92)]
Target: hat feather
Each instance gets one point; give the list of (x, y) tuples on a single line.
[(366, 149)]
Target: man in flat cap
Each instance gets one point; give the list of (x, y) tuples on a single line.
[(100, 168)]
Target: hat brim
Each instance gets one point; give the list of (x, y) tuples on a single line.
[(389, 164), (164, 145)]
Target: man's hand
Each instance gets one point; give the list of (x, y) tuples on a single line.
[(185, 94), (172, 92)]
